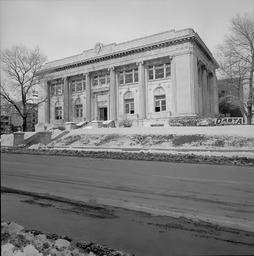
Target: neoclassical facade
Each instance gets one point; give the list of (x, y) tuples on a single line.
[(148, 80)]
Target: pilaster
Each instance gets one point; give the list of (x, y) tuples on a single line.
[(66, 114), (88, 97), (142, 90), (174, 86), (112, 94)]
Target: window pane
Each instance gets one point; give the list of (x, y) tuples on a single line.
[(168, 70), (159, 71), (79, 85), (58, 113), (73, 86), (132, 107), (121, 78), (157, 103), (95, 80), (59, 89), (127, 109), (84, 84), (135, 75), (150, 71), (108, 79), (128, 77), (53, 90), (157, 109), (102, 80)]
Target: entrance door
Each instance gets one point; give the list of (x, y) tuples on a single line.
[(103, 114)]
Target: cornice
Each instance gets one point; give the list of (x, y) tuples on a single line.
[(119, 54), (190, 37)]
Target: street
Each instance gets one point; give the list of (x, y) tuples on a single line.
[(219, 194)]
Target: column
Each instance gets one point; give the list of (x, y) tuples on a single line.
[(205, 94), (194, 84), (215, 94), (66, 117), (47, 105), (211, 94), (88, 98), (112, 94), (142, 90)]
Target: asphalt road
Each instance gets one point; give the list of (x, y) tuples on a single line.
[(220, 194)]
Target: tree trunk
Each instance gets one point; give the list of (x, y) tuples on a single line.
[(249, 115), (24, 125)]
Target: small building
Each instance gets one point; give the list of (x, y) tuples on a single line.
[(11, 121), (148, 80)]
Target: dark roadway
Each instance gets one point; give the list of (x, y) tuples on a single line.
[(220, 194)]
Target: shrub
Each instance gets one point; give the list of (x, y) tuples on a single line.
[(125, 122), (191, 121), (179, 140)]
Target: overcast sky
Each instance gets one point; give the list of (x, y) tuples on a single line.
[(63, 28)]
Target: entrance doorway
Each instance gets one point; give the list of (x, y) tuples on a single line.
[(103, 114)]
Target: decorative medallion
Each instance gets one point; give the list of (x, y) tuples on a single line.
[(98, 48)]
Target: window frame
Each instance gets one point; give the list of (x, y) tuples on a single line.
[(165, 67), (129, 104), (134, 76), (79, 110), (160, 103), (58, 112), (97, 80)]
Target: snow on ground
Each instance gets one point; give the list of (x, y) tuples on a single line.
[(234, 130), (55, 133), (7, 139), (237, 131)]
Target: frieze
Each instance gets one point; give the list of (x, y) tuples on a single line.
[(131, 59), (149, 54)]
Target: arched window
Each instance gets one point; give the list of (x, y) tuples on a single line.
[(159, 100), (128, 103), (58, 111), (78, 108)]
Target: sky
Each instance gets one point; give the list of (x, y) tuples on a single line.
[(63, 28)]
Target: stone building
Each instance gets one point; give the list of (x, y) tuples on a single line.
[(148, 80)]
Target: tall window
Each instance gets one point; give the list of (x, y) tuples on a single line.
[(128, 103), (128, 77), (159, 71), (79, 110), (129, 106), (160, 103), (58, 113)]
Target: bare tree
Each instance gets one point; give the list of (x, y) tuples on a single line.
[(236, 59), (20, 78)]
